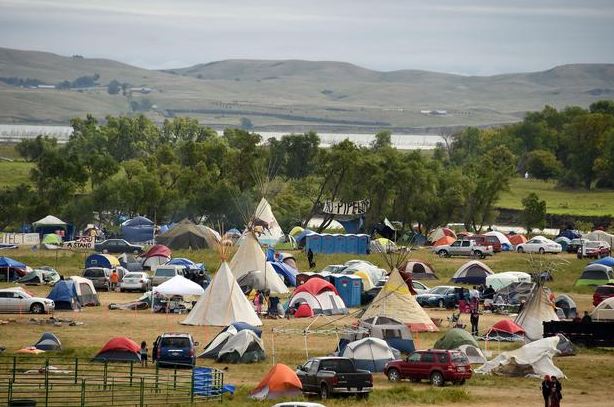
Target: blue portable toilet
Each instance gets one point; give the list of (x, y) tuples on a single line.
[(349, 288), (340, 243), (328, 243), (363, 244)]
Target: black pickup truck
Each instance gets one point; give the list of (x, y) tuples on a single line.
[(329, 376), (596, 333)]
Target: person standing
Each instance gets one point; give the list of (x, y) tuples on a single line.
[(312, 264), (257, 302), (556, 394), (143, 353), (475, 318), (546, 388), (587, 318), (114, 280)]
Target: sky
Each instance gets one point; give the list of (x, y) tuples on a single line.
[(473, 37)]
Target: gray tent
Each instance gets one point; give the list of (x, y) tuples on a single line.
[(567, 305), (40, 276), (184, 235), (49, 342)]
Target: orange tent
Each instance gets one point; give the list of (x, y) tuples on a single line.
[(281, 381), (517, 239), (444, 241)]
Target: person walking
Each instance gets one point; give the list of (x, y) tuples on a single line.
[(312, 263), (556, 394), (143, 353), (546, 388), (257, 302), (475, 318), (114, 280)]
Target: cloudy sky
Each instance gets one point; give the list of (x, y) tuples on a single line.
[(468, 37)]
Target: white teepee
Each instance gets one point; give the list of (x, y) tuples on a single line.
[(222, 303), (272, 232), (536, 310)]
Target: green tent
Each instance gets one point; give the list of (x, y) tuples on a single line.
[(596, 274), (184, 235), (53, 239), (454, 338)]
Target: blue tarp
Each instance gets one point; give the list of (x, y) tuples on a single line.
[(606, 261), (187, 263), (352, 225), (570, 234), (286, 272), (8, 262), (138, 230)]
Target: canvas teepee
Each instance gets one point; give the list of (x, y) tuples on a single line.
[(264, 221), (222, 303), (536, 310)]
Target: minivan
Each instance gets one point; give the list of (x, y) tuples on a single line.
[(99, 276), (166, 272)]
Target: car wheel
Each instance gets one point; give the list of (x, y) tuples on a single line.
[(520, 250), (394, 375), (442, 253), (37, 308), (437, 379), (324, 392), (441, 304), (541, 250)]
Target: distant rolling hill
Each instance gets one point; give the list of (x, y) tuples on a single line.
[(290, 95)]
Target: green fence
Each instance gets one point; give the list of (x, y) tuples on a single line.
[(79, 382)]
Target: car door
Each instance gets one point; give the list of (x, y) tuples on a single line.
[(454, 247), (410, 368), (426, 362), (465, 247), (4, 303)]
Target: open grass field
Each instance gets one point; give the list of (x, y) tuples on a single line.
[(13, 173), (560, 201), (589, 373)]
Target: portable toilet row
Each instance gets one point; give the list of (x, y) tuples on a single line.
[(337, 243)]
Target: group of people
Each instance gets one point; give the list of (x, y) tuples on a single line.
[(551, 391)]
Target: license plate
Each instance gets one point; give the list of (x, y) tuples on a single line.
[(461, 369), (353, 388)]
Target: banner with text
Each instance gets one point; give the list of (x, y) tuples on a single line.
[(20, 239), (83, 242), (346, 208)]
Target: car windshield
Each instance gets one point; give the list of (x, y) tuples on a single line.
[(175, 342), (592, 244), (337, 365), (165, 272), (459, 358), (134, 275), (438, 290), (94, 273)]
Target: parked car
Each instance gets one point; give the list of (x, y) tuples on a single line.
[(100, 277), (175, 350), (418, 287), (437, 366), (487, 240), (117, 246), (166, 272), (575, 244), (17, 301), (464, 248), (138, 281), (369, 295), (602, 292), (442, 296), (539, 244), (594, 249), (329, 376), (334, 269)]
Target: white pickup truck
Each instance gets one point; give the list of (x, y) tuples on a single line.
[(464, 248)]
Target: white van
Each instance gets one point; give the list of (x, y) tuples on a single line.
[(165, 272)]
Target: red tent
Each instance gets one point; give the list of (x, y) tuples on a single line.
[(517, 239), (158, 250), (444, 241), (303, 311), (315, 286), (119, 349), (507, 326)]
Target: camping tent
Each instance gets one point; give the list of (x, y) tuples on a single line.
[(244, 347), (264, 218), (454, 338), (296, 231), (370, 354), (280, 381), (101, 260), (157, 255), (567, 305), (40, 276), (473, 353), (606, 261), (604, 311), (120, 349), (11, 269), (563, 241), (382, 245), (250, 268), (537, 310), (375, 273), (138, 230), (213, 348), (499, 280), (321, 296), (64, 295), (178, 285), (444, 241), (438, 233), (395, 301), (505, 330), (286, 272), (419, 270), (49, 342), (600, 235), (52, 239), (396, 334), (184, 235), (533, 360), (506, 245), (517, 239), (596, 274), (222, 303), (472, 272)]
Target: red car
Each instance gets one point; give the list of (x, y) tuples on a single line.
[(594, 249), (484, 240), (602, 292), (437, 366)]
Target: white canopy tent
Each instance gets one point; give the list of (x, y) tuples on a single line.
[(499, 280), (179, 285)]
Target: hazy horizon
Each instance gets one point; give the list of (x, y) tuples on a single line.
[(473, 37)]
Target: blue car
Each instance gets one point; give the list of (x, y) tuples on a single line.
[(442, 296), (175, 350)]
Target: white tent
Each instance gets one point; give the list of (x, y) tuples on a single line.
[(155, 261), (533, 360), (222, 303), (499, 280), (600, 235), (235, 349), (474, 354), (48, 220), (537, 309), (502, 238), (604, 311), (251, 260), (370, 354), (179, 285), (396, 302), (271, 233)]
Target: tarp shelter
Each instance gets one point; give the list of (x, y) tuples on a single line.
[(244, 347), (563, 241), (600, 235), (370, 354), (40, 276), (595, 274), (454, 338), (395, 333), (49, 342), (444, 241), (184, 235), (506, 245), (280, 381), (120, 349), (395, 301), (101, 260), (179, 285), (52, 239), (264, 218), (606, 261), (499, 280), (505, 330), (439, 233), (352, 225), (336, 243), (10, 269), (604, 311), (514, 293), (532, 360), (138, 230), (567, 305), (321, 296), (472, 272), (419, 270), (287, 273), (570, 234), (537, 310), (517, 239), (157, 255), (222, 303), (212, 350)]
